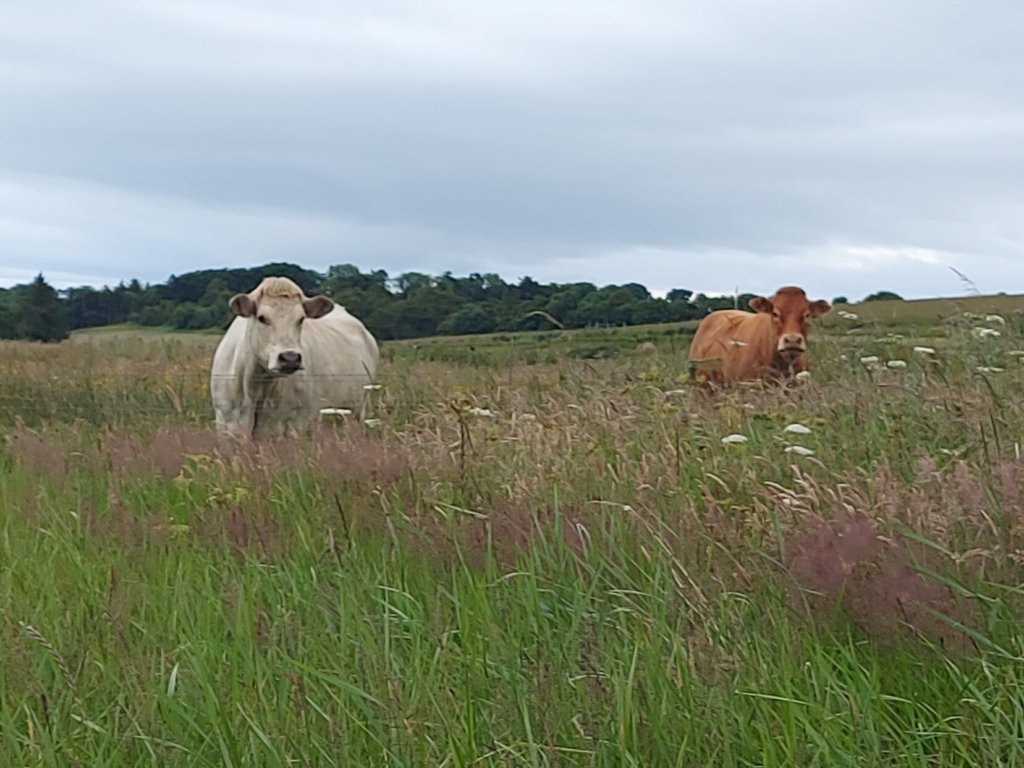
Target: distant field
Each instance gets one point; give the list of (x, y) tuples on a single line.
[(546, 549), (934, 310), (132, 331)]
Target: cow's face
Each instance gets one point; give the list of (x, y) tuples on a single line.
[(790, 311), (275, 328)]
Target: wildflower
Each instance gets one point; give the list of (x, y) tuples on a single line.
[(734, 438), (799, 450), (982, 333), (869, 360), (847, 315), (372, 387), (803, 376), (995, 319), (989, 369), (897, 364), (797, 429), (482, 412), (924, 350), (372, 423), (335, 412)]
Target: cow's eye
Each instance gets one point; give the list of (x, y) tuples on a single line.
[(263, 319), (301, 319), (776, 315)]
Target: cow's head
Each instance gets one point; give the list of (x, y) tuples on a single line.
[(790, 311), (276, 309)]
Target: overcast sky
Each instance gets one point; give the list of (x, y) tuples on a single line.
[(844, 146)]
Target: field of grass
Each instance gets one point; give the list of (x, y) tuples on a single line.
[(539, 552)]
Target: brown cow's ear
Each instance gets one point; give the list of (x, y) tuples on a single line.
[(761, 304), (818, 308), (242, 305), (318, 306)]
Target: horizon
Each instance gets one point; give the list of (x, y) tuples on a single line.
[(659, 293)]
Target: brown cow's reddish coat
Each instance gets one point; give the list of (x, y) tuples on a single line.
[(771, 342)]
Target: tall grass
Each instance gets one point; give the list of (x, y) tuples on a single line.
[(543, 555)]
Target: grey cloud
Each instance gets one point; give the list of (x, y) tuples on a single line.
[(672, 144)]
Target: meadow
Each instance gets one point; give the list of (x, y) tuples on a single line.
[(543, 549)]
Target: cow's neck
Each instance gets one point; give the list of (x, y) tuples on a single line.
[(785, 364)]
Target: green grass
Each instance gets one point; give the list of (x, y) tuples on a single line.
[(587, 577)]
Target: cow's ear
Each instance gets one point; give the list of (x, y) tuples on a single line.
[(318, 306), (761, 304), (242, 305), (818, 308)]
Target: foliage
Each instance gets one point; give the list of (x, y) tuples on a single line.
[(39, 314), (883, 296), (411, 305)]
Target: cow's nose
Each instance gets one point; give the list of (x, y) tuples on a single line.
[(289, 361), (793, 341)]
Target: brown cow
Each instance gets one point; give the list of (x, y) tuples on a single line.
[(770, 343)]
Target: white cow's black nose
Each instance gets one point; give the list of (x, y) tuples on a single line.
[(289, 361)]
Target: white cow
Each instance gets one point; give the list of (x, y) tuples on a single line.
[(286, 356)]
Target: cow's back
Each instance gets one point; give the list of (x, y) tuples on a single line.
[(342, 358), (731, 344)]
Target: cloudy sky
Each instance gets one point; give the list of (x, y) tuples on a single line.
[(845, 146)]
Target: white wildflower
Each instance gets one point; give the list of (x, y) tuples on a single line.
[(847, 315), (372, 387), (372, 423), (897, 364), (799, 450), (869, 360), (797, 429), (989, 369), (995, 319), (335, 412), (924, 350), (485, 413), (803, 376), (982, 333), (734, 438)]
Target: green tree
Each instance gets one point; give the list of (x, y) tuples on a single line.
[(472, 318), (884, 296), (41, 315)]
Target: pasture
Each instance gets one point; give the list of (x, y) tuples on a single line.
[(538, 552)]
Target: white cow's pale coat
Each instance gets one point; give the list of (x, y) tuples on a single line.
[(286, 356)]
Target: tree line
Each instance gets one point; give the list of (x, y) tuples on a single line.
[(410, 305)]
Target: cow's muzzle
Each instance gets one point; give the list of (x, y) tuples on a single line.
[(792, 344), (289, 362)]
